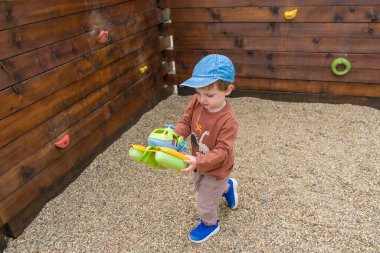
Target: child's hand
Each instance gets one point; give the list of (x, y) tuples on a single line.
[(192, 165)]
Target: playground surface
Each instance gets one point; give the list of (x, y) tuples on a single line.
[(309, 181)]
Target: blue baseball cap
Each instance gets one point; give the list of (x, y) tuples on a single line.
[(211, 68)]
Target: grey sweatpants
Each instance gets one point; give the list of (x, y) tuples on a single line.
[(209, 190)]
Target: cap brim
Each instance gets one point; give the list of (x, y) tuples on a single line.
[(198, 82)]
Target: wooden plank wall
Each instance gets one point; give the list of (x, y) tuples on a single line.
[(275, 56), (56, 79)]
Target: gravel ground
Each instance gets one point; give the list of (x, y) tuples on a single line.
[(309, 181)]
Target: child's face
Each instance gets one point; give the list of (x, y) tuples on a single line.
[(212, 98)]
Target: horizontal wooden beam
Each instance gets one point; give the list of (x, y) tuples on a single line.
[(317, 14), (259, 3), (85, 139), (252, 57), (23, 12), (31, 166), (307, 73), (31, 36), (24, 120), (290, 30), (300, 86), (20, 221), (23, 66), (373, 102), (283, 44), (23, 94), (54, 117)]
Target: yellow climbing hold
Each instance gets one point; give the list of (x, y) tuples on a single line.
[(143, 69), (288, 15)]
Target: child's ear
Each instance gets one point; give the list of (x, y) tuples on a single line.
[(229, 89)]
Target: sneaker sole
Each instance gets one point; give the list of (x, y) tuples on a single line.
[(235, 186), (207, 237)]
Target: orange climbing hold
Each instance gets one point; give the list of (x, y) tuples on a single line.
[(102, 36), (64, 142)]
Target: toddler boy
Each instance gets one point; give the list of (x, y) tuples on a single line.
[(212, 125)]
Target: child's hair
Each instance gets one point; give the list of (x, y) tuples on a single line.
[(220, 84)]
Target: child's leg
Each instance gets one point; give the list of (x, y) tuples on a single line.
[(209, 192), (231, 194), (196, 180)]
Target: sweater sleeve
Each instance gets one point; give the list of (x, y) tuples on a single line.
[(224, 146), (183, 128)]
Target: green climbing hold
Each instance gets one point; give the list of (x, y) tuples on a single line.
[(341, 61)]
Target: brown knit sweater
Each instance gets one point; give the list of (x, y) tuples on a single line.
[(212, 137)]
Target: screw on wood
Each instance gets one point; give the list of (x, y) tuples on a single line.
[(371, 16), (56, 54), (16, 89), (238, 42), (26, 172), (272, 26), (338, 18), (6, 68), (274, 10), (16, 39), (8, 13), (214, 14), (74, 50)]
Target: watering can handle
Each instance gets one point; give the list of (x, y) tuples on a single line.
[(182, 143)]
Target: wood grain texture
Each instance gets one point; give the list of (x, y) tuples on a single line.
[(25, 93), (252, 57), (31, 166), (92, 130), (259, 3), (55, 79), (21, 12), (296, 86), (298, 97), (51, 117), (27, 65), (129, 103), (280, 44), (24, 38), (317, 14), (270, 52), (272, 29), (20, 221), (307, 73)]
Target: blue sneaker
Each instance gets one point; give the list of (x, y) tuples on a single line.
[(231, 195), (203, 232)]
